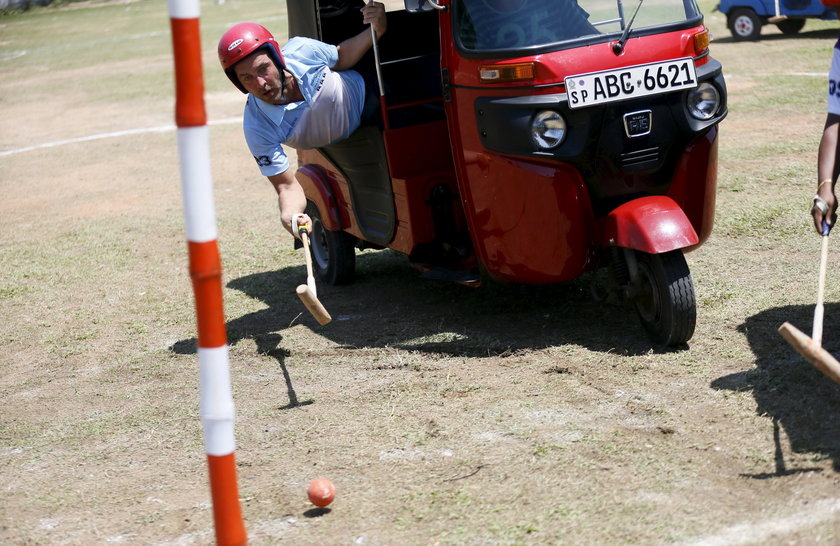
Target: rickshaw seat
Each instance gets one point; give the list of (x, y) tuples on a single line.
[(362, 160)]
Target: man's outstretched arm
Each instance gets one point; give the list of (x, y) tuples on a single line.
[(290, 198)]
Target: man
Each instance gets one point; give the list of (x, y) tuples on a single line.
[(304, 95), (828, 159)]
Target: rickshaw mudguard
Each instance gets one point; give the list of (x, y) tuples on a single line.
[(654, 224), (317, 188)]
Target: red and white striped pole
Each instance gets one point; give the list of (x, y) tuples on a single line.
[(216, 407)]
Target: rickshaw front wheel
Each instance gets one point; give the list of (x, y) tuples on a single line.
[(664, 298), (333, 252)]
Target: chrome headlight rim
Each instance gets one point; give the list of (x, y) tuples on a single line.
[(548, 129), (703, 101)]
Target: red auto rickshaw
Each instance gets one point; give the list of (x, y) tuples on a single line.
[(528, 141)]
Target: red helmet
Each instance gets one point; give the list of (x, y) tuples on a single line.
[(240, 41), (831, 3)]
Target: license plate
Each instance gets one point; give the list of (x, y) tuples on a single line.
[(630, 83)]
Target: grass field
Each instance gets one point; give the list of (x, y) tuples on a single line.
[(504, 415)]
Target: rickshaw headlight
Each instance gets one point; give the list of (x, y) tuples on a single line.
[(548, 129), (703, 101)]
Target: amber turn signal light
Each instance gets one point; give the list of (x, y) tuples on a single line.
[(701, 42), (498, 73)]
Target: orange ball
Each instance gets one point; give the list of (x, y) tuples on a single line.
[(321, 492)]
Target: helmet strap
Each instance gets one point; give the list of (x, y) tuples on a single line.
[(283, 82)]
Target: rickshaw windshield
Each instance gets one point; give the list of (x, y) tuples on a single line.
[(517, 24)]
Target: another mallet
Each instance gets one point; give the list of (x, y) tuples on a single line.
[(811, 347), (813, 353), (307, 292)]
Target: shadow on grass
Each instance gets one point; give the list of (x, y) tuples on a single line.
[(390, 305), (317, 512), (788, 389), (268, 343)]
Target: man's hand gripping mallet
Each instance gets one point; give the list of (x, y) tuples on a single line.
[(307, 293), (811, 347)]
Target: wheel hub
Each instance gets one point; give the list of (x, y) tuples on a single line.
[(320, 252), (744, 26), (646, 296)]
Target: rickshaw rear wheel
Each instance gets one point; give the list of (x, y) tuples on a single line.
[(333, 252), (664, 299)]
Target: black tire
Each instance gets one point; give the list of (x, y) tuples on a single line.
[(333, 252), (744, 24), (790, 26), (665, 301)]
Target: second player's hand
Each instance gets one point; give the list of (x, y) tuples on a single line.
[(824, 209)]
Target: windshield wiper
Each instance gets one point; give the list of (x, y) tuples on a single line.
[(618, 47)]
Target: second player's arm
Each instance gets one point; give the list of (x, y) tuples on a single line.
[(828, 167)]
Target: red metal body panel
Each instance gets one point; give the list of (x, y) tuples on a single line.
[(419, 158), (529, 222), (654, 224), (418, 149), (414, 220), (694, 185)]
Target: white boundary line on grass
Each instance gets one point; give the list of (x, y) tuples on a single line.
[(166, 128), (115, 134), (817, 512)]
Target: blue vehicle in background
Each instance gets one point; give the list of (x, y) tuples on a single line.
[(746, 17)]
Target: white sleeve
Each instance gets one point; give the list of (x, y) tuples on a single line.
[(834, 82)]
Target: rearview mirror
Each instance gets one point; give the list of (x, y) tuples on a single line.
[(418, 6)]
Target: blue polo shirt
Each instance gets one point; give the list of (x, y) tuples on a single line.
[(267, 126)]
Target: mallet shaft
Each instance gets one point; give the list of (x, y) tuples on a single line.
[(310, 278), (817, 332)]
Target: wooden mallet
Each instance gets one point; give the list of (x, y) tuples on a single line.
[(307, 293), (811, 347)]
